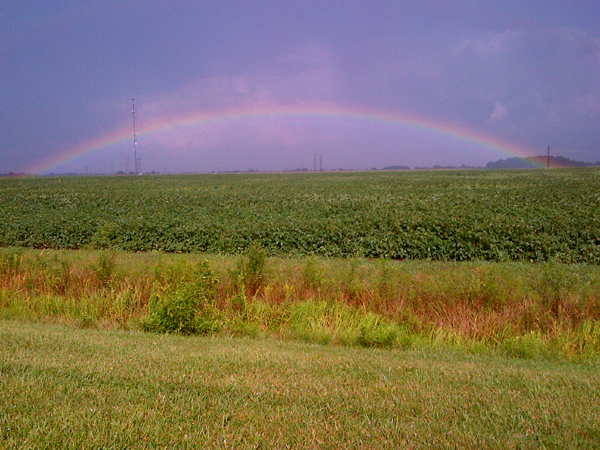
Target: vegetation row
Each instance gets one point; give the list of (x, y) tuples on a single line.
[(521, 309), (543, 215)]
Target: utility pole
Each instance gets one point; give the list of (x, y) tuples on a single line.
[(548, 161), (320, 163), (126, 166), (136, 161)]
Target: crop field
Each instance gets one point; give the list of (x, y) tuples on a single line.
[(537, 215)]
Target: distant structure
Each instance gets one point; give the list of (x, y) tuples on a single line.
[(314, 161), (136, 160), (320, 163), (127, 166), (548, 160)]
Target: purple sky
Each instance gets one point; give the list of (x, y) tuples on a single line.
[(522, 74)]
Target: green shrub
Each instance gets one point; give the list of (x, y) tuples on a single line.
[(188, 309)]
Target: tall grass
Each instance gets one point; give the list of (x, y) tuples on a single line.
[(525, 310)]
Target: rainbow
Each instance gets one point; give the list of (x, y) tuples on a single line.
[(319, 112)]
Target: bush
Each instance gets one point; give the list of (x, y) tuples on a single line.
[(188, 309)]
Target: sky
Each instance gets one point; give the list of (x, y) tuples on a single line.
[(267, 85)]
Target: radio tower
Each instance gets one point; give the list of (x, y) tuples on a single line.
[(136, 161)]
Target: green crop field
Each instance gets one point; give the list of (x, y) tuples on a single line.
[(536, 215)]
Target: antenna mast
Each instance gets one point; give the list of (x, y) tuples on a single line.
[(136, 161)]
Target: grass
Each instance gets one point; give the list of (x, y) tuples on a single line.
[(70, 388), (519, 309)]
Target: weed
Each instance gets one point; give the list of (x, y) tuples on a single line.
[(185, 309), (351, 284), (105, 267), (11, 262), (530, 345), (250, 270), (359, 302), (312, 273), (327, 321), (238, 303)]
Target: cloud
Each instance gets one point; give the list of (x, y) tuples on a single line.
[(499, 113), (520, 85), (305, 75), (492, 44), (544, 77)]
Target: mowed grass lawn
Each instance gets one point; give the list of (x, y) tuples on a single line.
[(64, 387)]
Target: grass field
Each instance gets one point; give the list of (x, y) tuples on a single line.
[(69, 388), (527, 215)]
